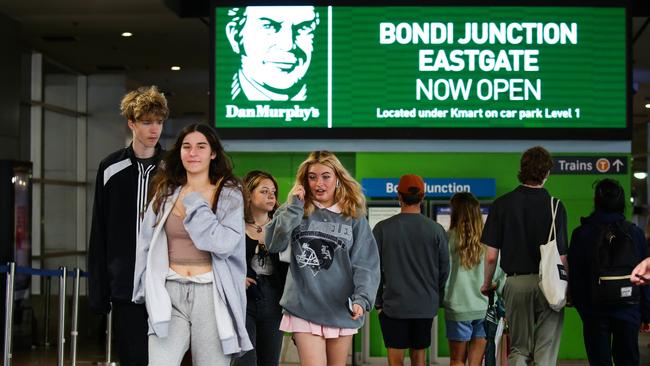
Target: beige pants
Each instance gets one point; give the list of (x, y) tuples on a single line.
[(535, 328)]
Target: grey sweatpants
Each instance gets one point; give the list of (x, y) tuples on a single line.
[(535, 328), (193, 322)]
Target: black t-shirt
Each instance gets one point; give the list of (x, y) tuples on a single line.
[(518, 223), (147, 162)]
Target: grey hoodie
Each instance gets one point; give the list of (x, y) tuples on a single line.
[(333, 257), (223, 236)]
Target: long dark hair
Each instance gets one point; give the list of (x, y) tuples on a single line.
[(172, 173)]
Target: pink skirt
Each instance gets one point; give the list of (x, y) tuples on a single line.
[(293, 324)]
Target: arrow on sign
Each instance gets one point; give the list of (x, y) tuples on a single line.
[(618, 164)]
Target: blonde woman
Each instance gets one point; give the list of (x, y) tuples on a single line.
[(334, 263), (464, 304)]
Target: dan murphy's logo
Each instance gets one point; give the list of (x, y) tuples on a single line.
[(275, 45)]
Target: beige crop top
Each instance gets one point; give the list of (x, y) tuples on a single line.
[(180, 246)]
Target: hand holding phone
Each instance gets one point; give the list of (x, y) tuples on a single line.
[(356, 311), (644, 279), (640, 272), (348, 304)]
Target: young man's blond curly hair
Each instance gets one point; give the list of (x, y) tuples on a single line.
[(146, 100)]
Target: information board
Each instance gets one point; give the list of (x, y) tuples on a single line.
[(420, 69)]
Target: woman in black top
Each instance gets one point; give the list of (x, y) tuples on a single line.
[(265, 275)]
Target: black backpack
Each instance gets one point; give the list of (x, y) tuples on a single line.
[(614, 258)]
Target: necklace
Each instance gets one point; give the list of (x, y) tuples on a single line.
[(259, 228)]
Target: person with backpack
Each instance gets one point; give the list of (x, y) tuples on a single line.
[(604, 250)]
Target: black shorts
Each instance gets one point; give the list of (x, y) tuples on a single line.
[(405, 333)]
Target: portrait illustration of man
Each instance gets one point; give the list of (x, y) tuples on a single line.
[(275, 45)]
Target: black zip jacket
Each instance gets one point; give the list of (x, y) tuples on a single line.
[(121, 192)]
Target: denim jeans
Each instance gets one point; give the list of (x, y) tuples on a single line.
[(263, 315)]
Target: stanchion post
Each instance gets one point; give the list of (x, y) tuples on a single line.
[(109, 336), (9, 312), (75, 316), (46, 316), (61, 343)]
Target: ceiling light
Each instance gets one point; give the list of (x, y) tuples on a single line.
[(127, 34), (647, 105), (176, 68), (640, 175)]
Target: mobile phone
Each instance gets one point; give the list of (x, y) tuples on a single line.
[(645, 279), (349, 306)]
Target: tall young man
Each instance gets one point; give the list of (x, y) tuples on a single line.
[(518, 223), (120, 201), (414, 268)]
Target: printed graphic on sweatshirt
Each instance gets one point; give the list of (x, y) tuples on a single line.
[(318, 244)]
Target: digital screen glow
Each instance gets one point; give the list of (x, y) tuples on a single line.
[(420, 68)]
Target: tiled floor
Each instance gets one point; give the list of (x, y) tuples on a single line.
[(91, 354)]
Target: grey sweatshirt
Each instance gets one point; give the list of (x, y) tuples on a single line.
[(223, 236), (414, 265), (333, 257)]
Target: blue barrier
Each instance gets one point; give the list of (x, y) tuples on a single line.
[(39, 272), (42, 272)]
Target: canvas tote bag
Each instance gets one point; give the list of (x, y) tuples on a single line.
[(552, 274)]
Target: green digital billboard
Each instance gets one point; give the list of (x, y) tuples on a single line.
[(389, 70)]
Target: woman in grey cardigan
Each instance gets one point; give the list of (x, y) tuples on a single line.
[(190, 260), (334, 262)]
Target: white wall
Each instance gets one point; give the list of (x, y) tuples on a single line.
[(107, 129)]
